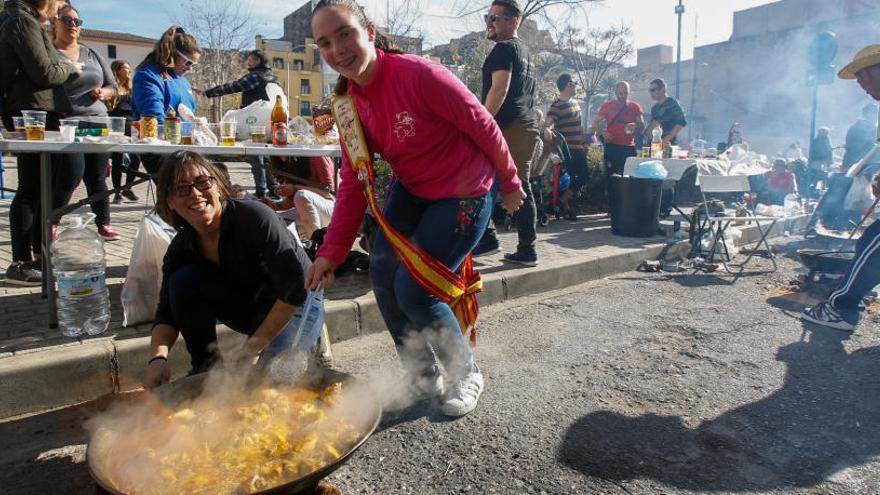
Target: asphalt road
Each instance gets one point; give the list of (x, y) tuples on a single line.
[(642, 383)]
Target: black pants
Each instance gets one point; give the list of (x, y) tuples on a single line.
[(91, 169), (578, 170), (117, 168), (199, 297)]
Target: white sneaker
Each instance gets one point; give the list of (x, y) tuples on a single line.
[(463, 396)]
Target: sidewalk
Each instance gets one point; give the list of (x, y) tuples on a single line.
[(40, 369)]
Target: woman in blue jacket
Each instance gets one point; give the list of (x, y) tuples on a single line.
[(159, 85)]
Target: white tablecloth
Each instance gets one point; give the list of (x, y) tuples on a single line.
[(705, 166)]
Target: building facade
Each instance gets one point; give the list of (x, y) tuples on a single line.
[(117, 46), (298, 69)]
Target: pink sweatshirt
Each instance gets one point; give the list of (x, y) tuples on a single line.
[(439, 140)]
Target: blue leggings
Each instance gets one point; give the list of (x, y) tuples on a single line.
[(424, 328)]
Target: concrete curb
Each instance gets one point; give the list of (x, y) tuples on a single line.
[(51, 377)]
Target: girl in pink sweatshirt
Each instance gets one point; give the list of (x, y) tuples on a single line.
[(446, 151)]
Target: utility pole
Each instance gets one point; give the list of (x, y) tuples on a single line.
[(679, 11), (693, 79)]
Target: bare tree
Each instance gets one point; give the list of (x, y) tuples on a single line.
[(400, 20), (595, 55), (223, 28)]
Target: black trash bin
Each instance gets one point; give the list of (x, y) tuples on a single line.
[(635, 206)]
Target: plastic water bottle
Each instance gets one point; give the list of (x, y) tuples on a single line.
[(657, 143), (790, 207), (80, 270)]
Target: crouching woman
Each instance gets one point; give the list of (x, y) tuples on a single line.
[(231, 261)]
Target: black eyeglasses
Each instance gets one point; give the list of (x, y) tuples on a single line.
[(495, 17), (71, 21), (653, 89), (202, 183)]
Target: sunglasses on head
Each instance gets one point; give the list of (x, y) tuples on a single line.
[(188, 62), (495, 17), (71, 21), (202, 183)]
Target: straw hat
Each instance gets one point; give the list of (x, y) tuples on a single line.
[(867, 57)]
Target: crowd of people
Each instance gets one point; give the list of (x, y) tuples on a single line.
[(238, 262)]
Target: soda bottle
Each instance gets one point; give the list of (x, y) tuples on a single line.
[(79, 268), (279, 123), (657, 143)]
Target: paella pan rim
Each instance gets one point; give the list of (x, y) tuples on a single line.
[(297, 485)]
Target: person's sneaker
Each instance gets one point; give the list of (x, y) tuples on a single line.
[(107, 233), (130, 195), (571, 216), (23, 274), (522, 258), (825, 315), (117, 199), (274, 197), (488, 245), (461, 398)]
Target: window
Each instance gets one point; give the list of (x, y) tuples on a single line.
[(305, 87), (298, 65), (111, 51), (304, 109), (277, 63)]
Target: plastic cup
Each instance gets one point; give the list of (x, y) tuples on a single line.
[(186, 129), (18, 128), (116, 125), (34, 124), (227, 133), (67, 128), (258, 134)]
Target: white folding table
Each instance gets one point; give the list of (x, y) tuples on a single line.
[(47, 148)]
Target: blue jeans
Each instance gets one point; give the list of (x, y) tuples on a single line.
[(200, 296), (262, 179), (424, 329), (861, 277)]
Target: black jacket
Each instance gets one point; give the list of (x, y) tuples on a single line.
[(31, 68), (252, 86)]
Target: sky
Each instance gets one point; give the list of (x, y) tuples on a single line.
[(652, 21)]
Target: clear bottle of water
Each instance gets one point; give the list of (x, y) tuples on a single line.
[(80, 270)]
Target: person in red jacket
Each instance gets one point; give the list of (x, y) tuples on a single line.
[(446, 151)]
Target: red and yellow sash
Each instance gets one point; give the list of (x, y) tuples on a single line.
[(458, 290)]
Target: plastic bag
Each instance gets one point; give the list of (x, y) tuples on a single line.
[(650, 170), (257, 113), (860, 197), (140, 292)]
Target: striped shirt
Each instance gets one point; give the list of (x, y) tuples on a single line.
[(566, 115)]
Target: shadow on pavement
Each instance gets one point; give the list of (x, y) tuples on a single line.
[(822, 420)]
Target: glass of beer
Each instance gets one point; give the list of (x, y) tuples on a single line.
[(34, 124), (186, 131), (258, 134), (227, 133), (18, 128)]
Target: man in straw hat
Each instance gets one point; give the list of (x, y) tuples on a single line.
[(841, 310)]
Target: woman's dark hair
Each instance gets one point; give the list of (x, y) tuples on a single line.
[(259, 55), (382, 41), (170, 173), (174, 40)]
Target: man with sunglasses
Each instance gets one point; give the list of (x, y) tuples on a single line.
[(509, 94), (667, 114)]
